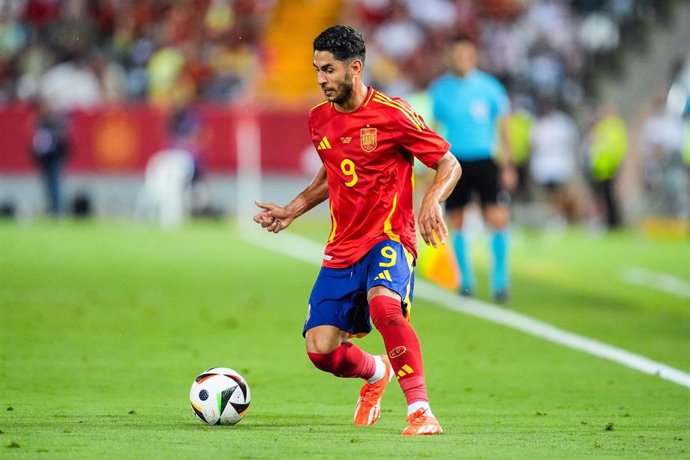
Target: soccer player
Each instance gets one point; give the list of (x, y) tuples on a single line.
[(367, 143), (472, 107)]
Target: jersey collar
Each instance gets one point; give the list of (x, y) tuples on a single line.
[(370, 93)]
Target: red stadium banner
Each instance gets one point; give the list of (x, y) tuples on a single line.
[(284, 138), (16, 130), (121, 139), (115, 139)]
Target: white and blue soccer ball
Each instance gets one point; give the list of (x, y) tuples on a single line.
[(220, 396)]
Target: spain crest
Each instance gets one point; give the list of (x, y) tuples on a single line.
[(367, 139)]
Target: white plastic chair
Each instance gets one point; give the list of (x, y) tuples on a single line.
[(164, 198)]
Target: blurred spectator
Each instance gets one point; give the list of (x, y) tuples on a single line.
[(40, 13), (665, 176), (399, 36), (73, 31), (607, 145), (552, 166), (432, 14), (552, 23), (520, 121), (186, 129), (546, 71), (506, 49), (31, 66), (13, 35), (598, 33), (50, 150), (70, 84), (386, 73), (467, 17), (112, 77), (164, 69), (233, 74), (219, 18)]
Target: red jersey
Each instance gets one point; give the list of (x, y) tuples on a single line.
[(368, 155)]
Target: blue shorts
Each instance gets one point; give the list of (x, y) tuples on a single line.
[(339, 296)]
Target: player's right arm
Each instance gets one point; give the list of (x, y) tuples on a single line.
[(275, 218)]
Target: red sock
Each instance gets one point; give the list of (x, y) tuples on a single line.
[(402, 346), (348, 360)]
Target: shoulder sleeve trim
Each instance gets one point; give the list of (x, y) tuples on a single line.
[(407, 111), (319, 105)]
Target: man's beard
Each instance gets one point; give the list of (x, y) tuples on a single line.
[(344, 90)]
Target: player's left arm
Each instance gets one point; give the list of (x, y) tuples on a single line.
[(430, 219)]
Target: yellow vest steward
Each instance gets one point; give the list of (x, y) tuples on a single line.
[(609, 147), (519, 132)]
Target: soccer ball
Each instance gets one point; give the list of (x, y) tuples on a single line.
[(219, 396)]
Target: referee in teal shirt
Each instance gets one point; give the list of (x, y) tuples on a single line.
[(471, 106)]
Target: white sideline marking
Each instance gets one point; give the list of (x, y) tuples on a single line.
[(551, 333), (311, 252), (662, 281)]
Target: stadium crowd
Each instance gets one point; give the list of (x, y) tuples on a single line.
[(546, 47), (82, 53), (212, 49), (79, 53)]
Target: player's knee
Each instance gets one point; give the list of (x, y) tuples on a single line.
[(387, 317), (497, 217), (321, 361), (455, 219), (386, 312), (327, 362)]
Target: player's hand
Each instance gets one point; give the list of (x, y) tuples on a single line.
[(509, 178), (272, 217), (432, 227)]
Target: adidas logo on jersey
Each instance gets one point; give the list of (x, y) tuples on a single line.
[(384, 275), (324, 144)]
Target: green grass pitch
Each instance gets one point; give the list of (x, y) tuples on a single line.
[(104, 326)]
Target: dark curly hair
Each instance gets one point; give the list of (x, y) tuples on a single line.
[(344, 42)]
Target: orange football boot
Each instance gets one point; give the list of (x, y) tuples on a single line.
[(419, 423), (368, 409)]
